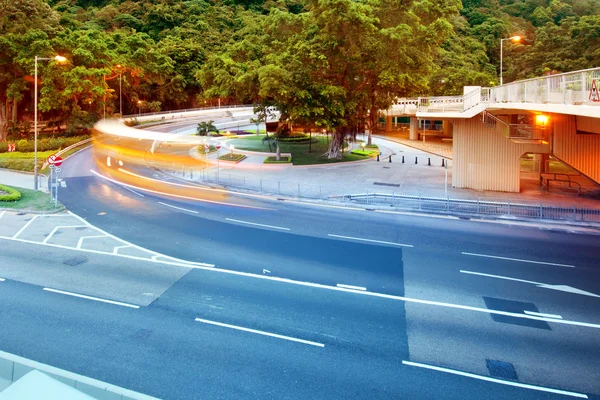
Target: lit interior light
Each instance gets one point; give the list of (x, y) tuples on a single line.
[(108, 161), (541, 119)]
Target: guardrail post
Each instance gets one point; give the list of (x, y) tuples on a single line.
[(574, 212), (509, 208), (583, 87), (478, 205), (541, 210)]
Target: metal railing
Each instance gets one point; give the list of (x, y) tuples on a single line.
[(186, 110), (391, 198), (452, 103), (513, 131)]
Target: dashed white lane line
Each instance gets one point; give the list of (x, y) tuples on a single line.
[(255, 224), (519, 260), (81, 239), (56, 228), (177, 208), (82, 296), (16, 235), (351, 287), (495, 380), (240, 328), (133, 191), (539, 314), (370, 240)]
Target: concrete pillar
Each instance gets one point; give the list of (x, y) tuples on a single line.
[(414, 127), (396, 122), (538, 162), (388, 123)]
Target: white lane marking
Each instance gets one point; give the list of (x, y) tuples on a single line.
[(370, 240), (2, 279), (252, 223), (177, 195), (539, 314), (2, 213), (81, 239), (117, 248), (351, 287), (176, 261), (495, 380), (519, 260), (266, 271), (177, 208), (117, 303), (240, 328), (560, 288), (56, 228), (179, 263), (133, 191), (24, 227), (327, 287)]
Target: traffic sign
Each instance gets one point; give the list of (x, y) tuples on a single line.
[(218, 146), (55, 160), (11, 147)]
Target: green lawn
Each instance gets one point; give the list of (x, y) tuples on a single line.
[(32, 200), (23, 161), (299, 151)]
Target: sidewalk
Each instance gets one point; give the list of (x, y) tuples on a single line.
[(17, 179)]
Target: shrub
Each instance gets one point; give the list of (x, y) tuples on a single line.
[(371, 146), (364, 152), (3, 147), (10, 194), (24, 146), (273, 160), (232, 157)]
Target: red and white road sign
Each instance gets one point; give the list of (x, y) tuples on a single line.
[(55, 160), (218, 146), (11, 147)]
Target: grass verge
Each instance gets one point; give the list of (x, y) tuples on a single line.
[(23, 161), (32, 200), (232, 157), (273, 160)]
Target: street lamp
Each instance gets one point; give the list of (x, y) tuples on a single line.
[(513, 39), (139, 103), (120, 91), (60, 60)]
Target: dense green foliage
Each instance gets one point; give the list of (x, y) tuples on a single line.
[(9, 194), (325, 64)]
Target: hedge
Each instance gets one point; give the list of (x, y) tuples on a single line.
[(273, 160), (371, 146), (232, 157), (45, 144), (10, 195), (364, 152)]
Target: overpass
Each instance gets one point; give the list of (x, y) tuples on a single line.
[(491, 128)]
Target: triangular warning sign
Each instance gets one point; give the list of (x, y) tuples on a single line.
[(594, 96)]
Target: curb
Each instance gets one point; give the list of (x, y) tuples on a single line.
[(412, 147)]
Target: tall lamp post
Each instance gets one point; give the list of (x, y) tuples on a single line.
[(120, 91), (512, 39), (60, 60)]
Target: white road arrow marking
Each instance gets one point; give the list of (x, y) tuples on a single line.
[(561, 288), (266, 271)]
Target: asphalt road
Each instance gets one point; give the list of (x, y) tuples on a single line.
[(429, 293)]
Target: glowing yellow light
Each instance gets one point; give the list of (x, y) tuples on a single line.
[(541, 119), (60, 59), (515, 38)]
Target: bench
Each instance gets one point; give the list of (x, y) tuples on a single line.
[(546, 178)]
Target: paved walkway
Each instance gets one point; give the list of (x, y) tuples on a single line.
[(16, 179)]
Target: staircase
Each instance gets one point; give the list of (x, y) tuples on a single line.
[(518, 133)]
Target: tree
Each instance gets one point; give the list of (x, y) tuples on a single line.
[(204, 128)]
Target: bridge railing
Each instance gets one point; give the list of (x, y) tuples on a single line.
[(573, 88)]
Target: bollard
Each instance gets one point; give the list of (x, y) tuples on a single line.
[(416, 160), (378, 156), (429, 161), (390, 159), (402, 159), (443, 165)]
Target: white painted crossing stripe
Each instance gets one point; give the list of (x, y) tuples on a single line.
[(2, 279), (16, 235), (56, 228), (2, 213), (117, 248), (177, 208), (133, 191), (240, 328), (351, 287), (495, 380), (118, 303), (370, 240), (539, 314), (519, 260), (81, 239), (253, 223)]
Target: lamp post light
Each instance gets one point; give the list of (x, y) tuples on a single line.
[(120, 91), (512, 39), (232, 148), (139, 103), (60, 60)]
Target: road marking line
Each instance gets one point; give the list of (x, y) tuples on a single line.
[(81, 239), (539, 314), (176, 261), (351, 287), (133, 191), (252, 223), (2, 214), (178, 208), (370, 240), (56, 228), (240, 328), (116, 249), (495, 380), (518, 259), (118, 303), (327, 287), (24, 227), (177, 195), (500, 277), (2, 279)]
